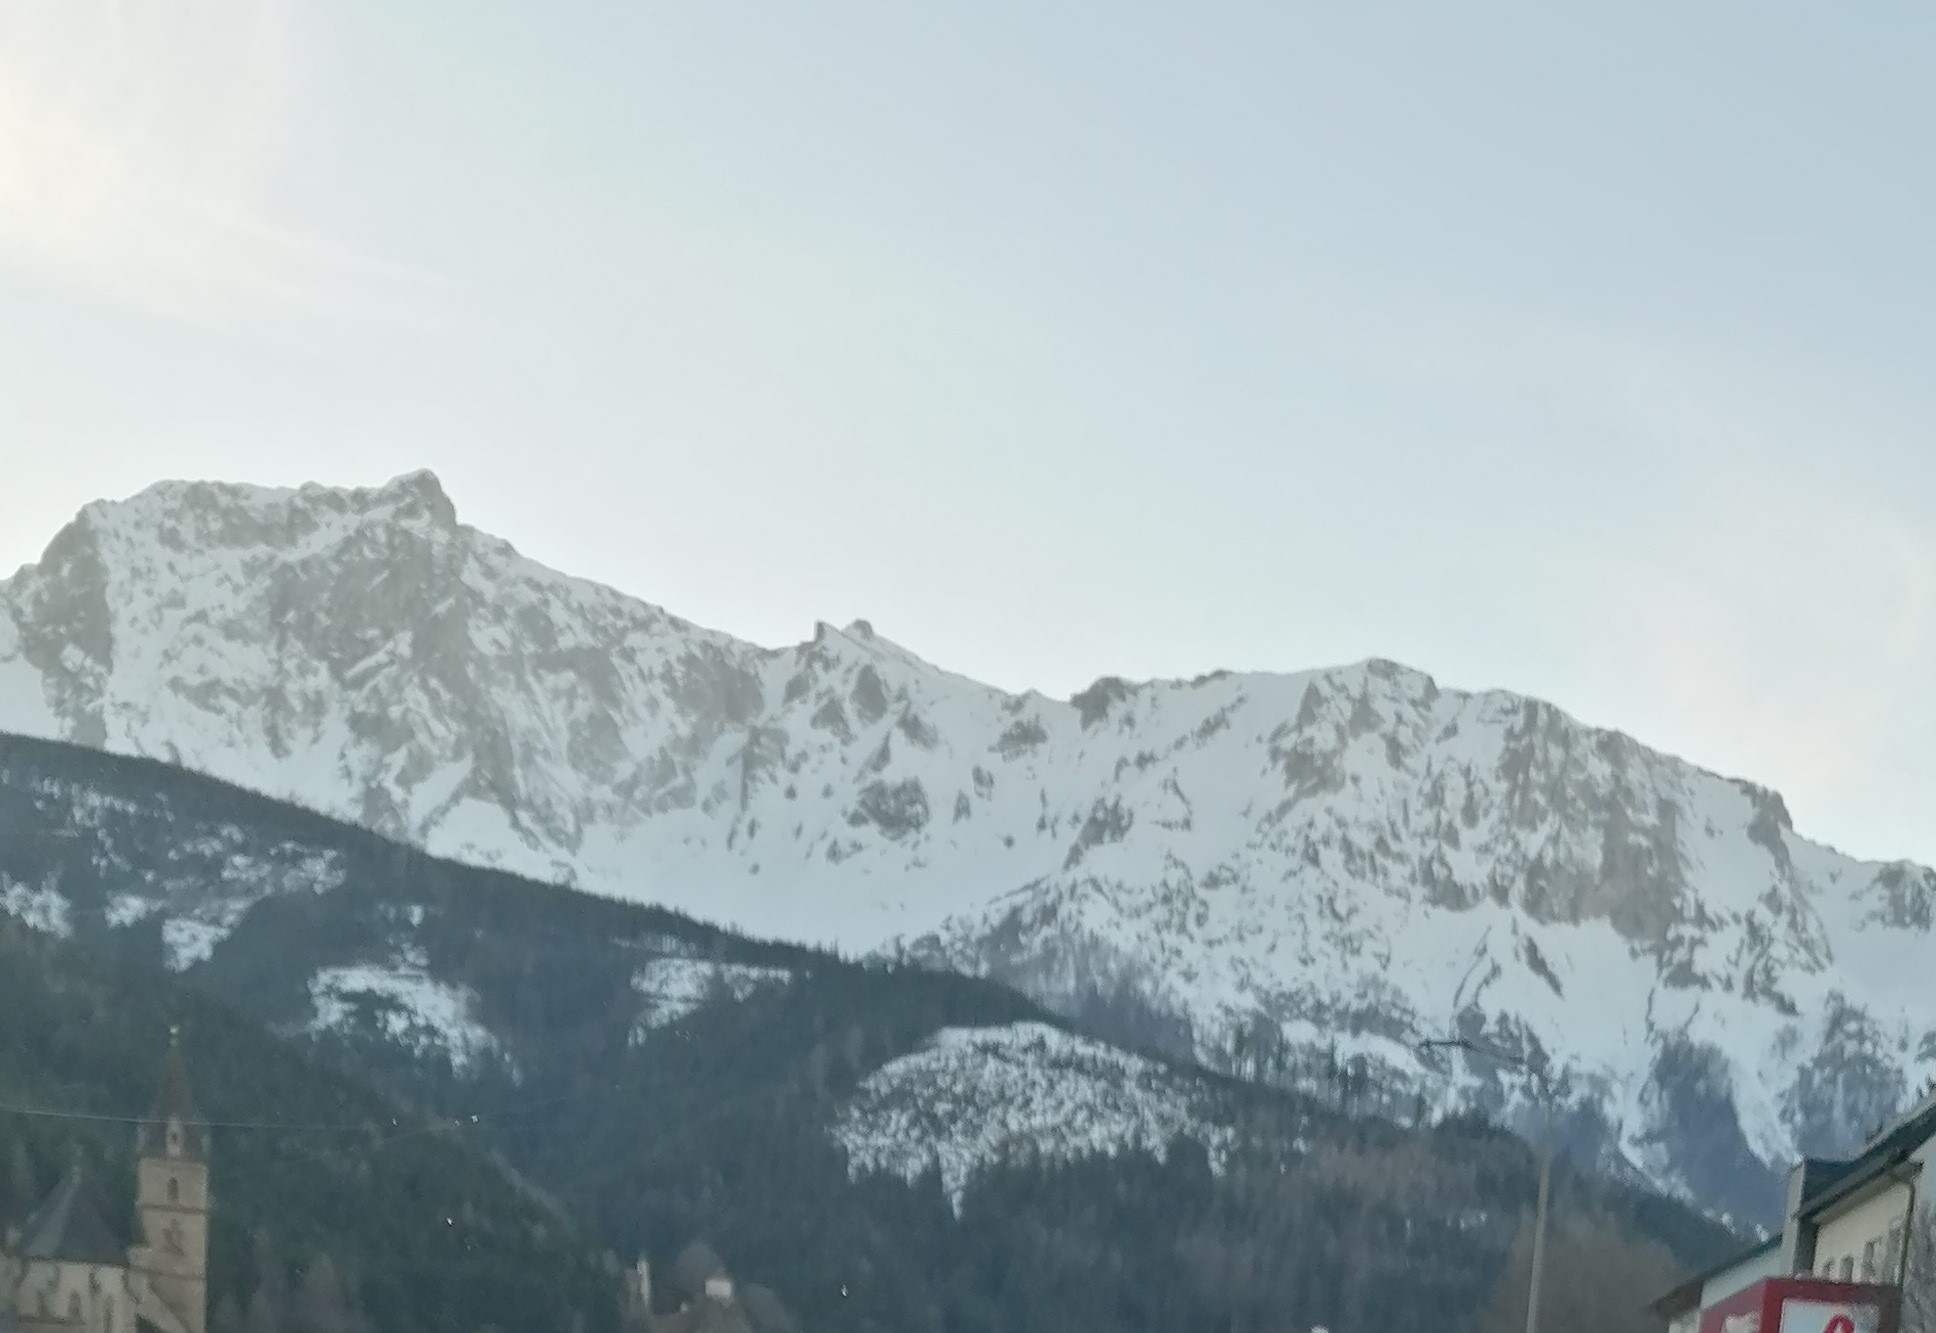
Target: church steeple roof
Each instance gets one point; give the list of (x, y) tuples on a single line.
[(174, 1105), (174, 1101)]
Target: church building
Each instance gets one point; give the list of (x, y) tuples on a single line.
[(64, 1271)]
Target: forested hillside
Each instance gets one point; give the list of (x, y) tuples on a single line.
[(665, 1081), (348, 1205)]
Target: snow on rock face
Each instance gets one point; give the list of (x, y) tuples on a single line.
[(200, 875), (189, 941), (1350, 857), (403, 1004), (673, 987), (43, 909), (971, 1096)]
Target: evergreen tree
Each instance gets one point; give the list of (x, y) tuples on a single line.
[(263, 1316), (320, 1305), (22, 1188), (226, 1317)]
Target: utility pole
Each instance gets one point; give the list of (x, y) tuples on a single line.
[(1539, 1214), (1510, 1060)]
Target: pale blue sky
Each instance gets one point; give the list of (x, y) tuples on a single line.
[(1581, 350)]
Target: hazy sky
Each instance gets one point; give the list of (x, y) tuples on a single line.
[(1581, 353)]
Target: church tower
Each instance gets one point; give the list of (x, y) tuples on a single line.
[(170, 1254)]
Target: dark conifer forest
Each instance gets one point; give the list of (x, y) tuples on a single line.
[(508, 1192)]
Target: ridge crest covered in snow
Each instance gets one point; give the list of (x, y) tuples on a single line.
[(1281, 874)]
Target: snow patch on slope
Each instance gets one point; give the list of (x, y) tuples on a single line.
[(42, 909), (674, 987), (970, 1097), (188, 941), (126, 909), (406, 1005)]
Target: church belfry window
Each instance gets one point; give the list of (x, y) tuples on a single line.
[(174, 1190), (174, 1138), (74, 1308)]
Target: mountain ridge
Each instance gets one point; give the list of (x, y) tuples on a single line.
[(1289, 866), (930, 1139)]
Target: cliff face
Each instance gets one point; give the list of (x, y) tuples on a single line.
[(1279, 871)]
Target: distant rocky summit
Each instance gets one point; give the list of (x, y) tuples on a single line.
[(1274, 872)]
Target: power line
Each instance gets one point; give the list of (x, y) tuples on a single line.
[(92, 1117), (437, 1121)]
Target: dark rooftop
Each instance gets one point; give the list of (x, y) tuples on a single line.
[(695, 1265), (1880, 1158), (1826, 1183), (69, 1227), (1687, 1296), (174, 1103)]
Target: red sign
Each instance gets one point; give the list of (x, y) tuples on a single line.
[(1804, 1305)]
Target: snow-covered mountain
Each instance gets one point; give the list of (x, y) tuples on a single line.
[(622, 1057), (1295, 869), (324, 930)]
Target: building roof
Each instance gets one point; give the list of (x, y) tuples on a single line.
[(706, 1315), (766, 1312), (173, 1101), (1887, 1152), (1819, 1174), (1825, 1184), (1687, 1296), (70, 1228), (695, 1265)]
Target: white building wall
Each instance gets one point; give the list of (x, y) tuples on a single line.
[(149, 1306), (54, 1293), (1862, 1241), (1742, 1276)]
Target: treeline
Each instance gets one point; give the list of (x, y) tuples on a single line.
[(1595, 1279), (422, 1231), (719, 1125), (313, 1298)]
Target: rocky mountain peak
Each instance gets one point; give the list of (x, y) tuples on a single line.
[(420, 492), (205, 515), (1263, 863)]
